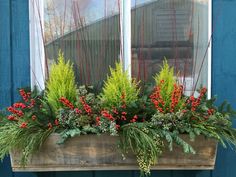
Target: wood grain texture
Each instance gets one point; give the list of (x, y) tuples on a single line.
[(14, 60), (224, 73), (5, 70), (91, 152)]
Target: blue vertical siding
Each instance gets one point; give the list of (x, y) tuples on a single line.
[(5, 68), (14, 60), (15, 73), (20, 45), (224, 72)]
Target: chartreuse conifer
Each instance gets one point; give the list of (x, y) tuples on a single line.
[(119, 88), (61, 83)]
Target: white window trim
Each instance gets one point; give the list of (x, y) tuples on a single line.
[(37, 58), (125, 24), (209, 62)]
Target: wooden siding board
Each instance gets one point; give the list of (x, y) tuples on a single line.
[(45, 174), (156, 173), (20, 45), (13, 16), (223, 80), (5, 168), (5, 70), (185, 173), (5, 52), (204, 173), (224, 73), (74, 174), (113, 174), (20, 52)]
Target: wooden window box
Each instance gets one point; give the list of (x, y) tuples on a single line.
[(92, 152)]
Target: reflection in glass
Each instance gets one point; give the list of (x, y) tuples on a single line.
[(87, 32), (172, 29)]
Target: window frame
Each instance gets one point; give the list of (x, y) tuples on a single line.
[(36, 44)]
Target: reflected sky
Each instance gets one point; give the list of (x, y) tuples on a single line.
[(90, 10)]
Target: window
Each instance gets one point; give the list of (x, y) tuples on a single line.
[(172, 29), (94, 34)]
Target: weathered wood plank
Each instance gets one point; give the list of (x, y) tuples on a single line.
[(91, 152)]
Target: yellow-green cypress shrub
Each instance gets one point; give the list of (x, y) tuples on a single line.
[(119, 88), (61, 83)]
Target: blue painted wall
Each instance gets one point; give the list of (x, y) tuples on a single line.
[(14, 59), (15, 73)]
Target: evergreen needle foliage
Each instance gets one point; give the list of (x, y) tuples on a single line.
[(61, 83), (168, 94), (27, 141), (119, 85), (143, 142), (146, 124), (167, 75)]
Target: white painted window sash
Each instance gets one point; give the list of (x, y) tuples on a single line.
[(125, 24), (37, 57), (209, 62)]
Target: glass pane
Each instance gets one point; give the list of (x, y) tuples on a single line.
[(173, 29), (87, 32)]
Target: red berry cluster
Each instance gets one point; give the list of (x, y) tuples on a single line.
[(123, 115), (98, 121), (114, 115), (12, 118), (86, 107), (66, 103), (135, 118), (14, 111), (118, 114), (23, 125), (195, 102), (157, 99), (107, 115), (25, 96), (19, 105), (17, 108), (50, 125), (114, 110), (78, 111), (160, 104), (56, 122), (210, 111), (27, 99), (32, 103), (176, 96), (117, 126)]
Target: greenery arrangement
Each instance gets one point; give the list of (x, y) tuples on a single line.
[(61, 83), (146, 121)]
